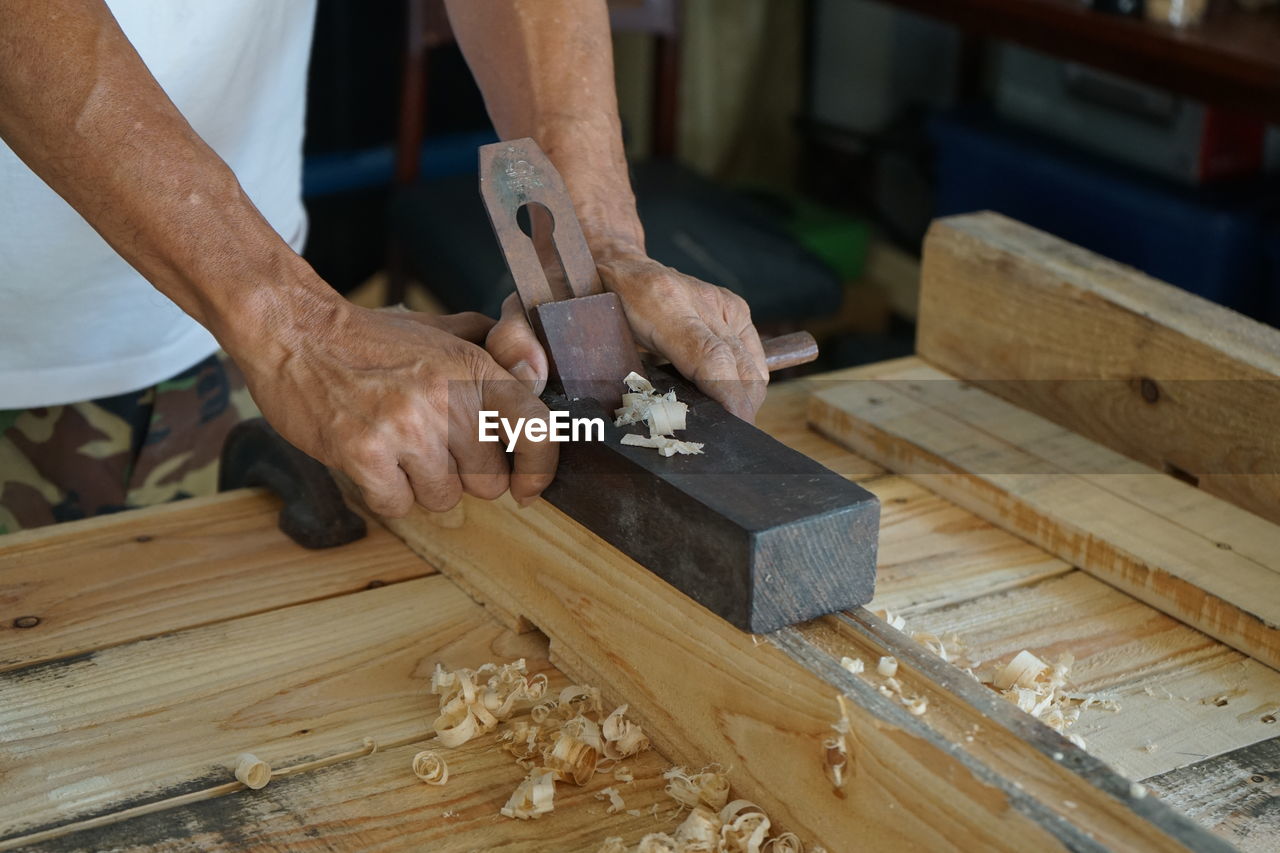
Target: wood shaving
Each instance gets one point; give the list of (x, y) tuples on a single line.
[(252, 771), (1023, 670), (622, 773), (853, 665), (836, 748), (709, 787), (533, 797), (894, 620), (663, 414), (622, 738), (430, 767), (616, 803), (665, 445), (737, 826), (888, 667), (565, 739), (470, 707)]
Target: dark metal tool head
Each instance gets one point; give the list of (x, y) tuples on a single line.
[(583, 327)]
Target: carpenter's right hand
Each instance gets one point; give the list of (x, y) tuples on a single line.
[(392, 398)]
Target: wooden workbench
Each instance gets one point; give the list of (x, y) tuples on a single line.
[(171, 639), (141, 653)]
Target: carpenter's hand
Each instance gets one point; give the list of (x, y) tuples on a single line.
[(392, 398), (704, 330)]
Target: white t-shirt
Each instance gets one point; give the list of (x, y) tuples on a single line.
[(76, 321)]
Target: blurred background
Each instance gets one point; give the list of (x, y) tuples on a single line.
[(796, 150)]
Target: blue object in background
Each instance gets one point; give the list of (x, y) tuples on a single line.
[(1272, 286), (367, 168), (1205, 240)]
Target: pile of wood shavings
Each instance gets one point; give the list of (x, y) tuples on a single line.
[(714, 824), (663, 414), (567, 739)]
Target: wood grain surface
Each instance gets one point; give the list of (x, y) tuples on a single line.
[(761, 709), (90, 584), (1196, 557), (1152, 371)]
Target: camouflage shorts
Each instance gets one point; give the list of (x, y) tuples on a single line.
[(60, 463)]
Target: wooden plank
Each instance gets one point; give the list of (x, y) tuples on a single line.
[(115, 579), (1156, 373), (376, 803), (933, 553), (1237, 795), (91, 735), (1166, 677), (1182, 551), (782, 416), (705, 689)]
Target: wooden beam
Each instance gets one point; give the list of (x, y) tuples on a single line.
[(1197, 558), (763, 706), (91, 584), (1160, 375)]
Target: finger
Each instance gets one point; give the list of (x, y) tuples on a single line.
[(482, 465), (383, 486), (712, 362), (533, 462), (515, 347), (469, 325), (433, 476)]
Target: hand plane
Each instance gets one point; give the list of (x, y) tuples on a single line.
[(756, 532)]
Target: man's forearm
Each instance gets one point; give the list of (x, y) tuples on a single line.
[(546, 70), (81, 109)]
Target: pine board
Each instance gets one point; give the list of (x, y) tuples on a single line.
[(1194, 556), (121, 578), (1145, 368)]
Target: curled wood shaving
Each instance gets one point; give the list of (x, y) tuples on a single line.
[(430, 767), (474, 701), (709, 787), (738, 826), (533, 797), (252, 771), (576, 751), (565, 739), (1022, 671), (622, 773), (622, 738), (835, 749), (700, 831), (888, 666), (787, 842), (853, 665), (744, 827), (894, 620), (663, 414)]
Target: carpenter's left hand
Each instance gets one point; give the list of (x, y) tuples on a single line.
[(705, 331)]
